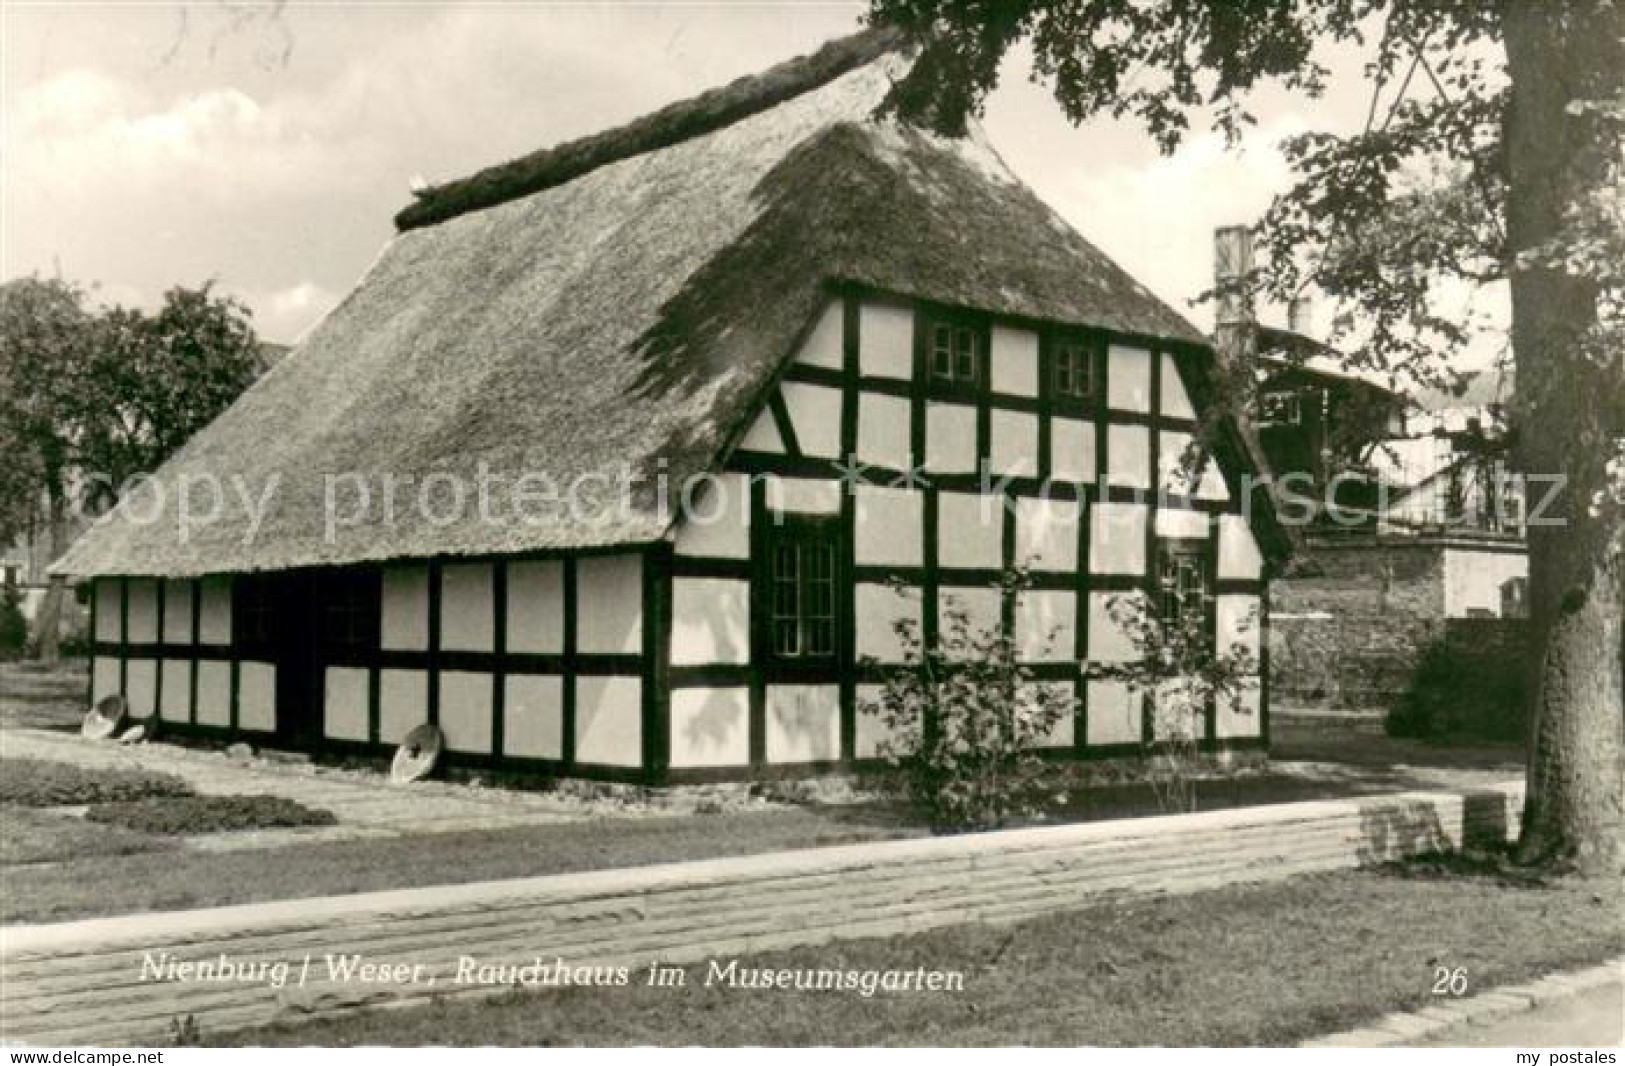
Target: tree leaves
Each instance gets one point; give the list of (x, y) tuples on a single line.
[(88, 400)]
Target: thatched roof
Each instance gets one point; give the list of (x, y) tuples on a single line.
[(624, 301)]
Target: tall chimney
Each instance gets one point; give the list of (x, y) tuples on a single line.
[(1232, 267)]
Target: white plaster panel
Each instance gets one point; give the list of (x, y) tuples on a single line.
[(175, 694), (1172, 474), (1176, 401), (870, 730), (1114, 713), (1182, 523), (213, 692), (1175, 714), (1046, 625), (1128, 456), (1236, 622), (465, 710), (1212, 485), (609, 604), (796, 495), (1072, 450), (109, 617), (533, 716), (609, 721), (886, 340), (404, 608), (1013, 443), (763, 435), (950, 438), (1117, 538), (143, 611), (1206, 483), (970, 530), (1015, 361), (883, 431), (1061, 733), (716, 521), (141, 687), (103, 678), (467, 607), (1239, 556), (815, 414), (214, 611), (177, 612), (536, 606), (888, 526), (1128, 378), (710, 621), (803, 723), (1241, 716), (823, 345), (344, 703), (256, 697), (877, 608), (710, 727), (983, 607), (1108, 641), (403, 703), (1047, 533)]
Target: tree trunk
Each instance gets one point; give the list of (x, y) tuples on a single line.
[(1567, 408), (48, 621)]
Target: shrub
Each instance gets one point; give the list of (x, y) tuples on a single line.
[(40, 783), (186, 815), (966, 720), (1180, 665), (1451, 693), (13, 626)]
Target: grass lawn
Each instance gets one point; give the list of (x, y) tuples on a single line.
[(1245, 965), (33, 836), (204, 879)]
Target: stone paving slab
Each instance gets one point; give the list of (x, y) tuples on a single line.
[(1439, 1020)]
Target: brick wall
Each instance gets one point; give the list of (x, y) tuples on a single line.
[(1348, 624), (1362, 625)]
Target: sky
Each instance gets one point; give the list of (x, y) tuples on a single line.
[(152, 144)]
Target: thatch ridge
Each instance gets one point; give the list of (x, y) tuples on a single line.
[(706, 113)]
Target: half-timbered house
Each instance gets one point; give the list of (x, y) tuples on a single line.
[(610, 462)]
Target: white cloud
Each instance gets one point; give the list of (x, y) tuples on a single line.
[(1157, 217)]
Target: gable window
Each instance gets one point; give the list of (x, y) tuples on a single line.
[(800, 593), (1183, 589), (955, 356), (1279, 409), (1072, 369)]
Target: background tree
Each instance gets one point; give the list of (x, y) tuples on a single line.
[(157, 379), (87, 400), (1492, 152), (46, 344)]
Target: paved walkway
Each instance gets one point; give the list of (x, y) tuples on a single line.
[(365, 803), (1594, 1019), (1580, 1008)]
